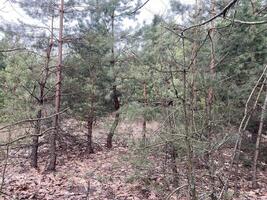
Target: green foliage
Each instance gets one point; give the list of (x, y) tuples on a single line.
[(135, 110), (20, 82), (84, 91), (244, 48), (90, 72), (160, 73), (17, 102)]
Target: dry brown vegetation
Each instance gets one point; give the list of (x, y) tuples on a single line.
[(114, 174)]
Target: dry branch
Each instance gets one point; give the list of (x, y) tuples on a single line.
[(26, 136), (222, 13), (33, 120), (242, 127), (11, 50), (175, 190)]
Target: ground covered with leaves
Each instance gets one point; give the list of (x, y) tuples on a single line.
[(118, 174)]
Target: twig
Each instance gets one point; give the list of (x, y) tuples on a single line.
[(25, 136), (88, 190), (247, 22), (5, 165), (10, 50), (175, 190), (32, 120), (140, 7), (241, 129), (223, 12)]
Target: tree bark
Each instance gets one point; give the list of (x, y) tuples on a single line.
[(174, 166), (90, 147), (116, 101), (257, 150), (53, 136), (210, 160), (116, 120), (112, 130), (189, 148), (35, 140), (42, 85), (212, 61), (144, 117), (194, 69), (173, 151), (188, 135)]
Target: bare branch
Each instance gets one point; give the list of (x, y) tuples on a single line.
[(10, 50), (32, 120), (140, 7), (175, 190), (222, 13), (247, 22), (26, 136)]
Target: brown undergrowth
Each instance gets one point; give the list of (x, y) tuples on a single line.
[(118, 173)]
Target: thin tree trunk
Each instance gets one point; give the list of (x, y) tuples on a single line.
[(194, 69), (144, 128), (212, 61), (172, 150), (189, 148), (210, 161), (117, 117), (242, 127), (116, 120), (257, 150), (53, 136), (144, 117), (174, 166), (5, 166), (90, 148), (116, 101), (42, 85), (112, 130), (190, 153), (35, 140)]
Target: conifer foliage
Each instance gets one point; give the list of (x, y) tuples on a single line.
[(96, 104)]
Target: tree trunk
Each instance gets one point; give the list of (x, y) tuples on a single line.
[(257, 150), (112, 130), (144, 117), (117, 117), (193, 68), (174, 166), (53, 136), (254, 136), (90, 148), (116, 101), (210, 160), (171, 149), (212, 53), (144, 129), (42, 85), (188, 135), (35, 140), (189, 148)]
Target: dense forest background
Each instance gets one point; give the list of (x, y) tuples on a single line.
[(93, 107)]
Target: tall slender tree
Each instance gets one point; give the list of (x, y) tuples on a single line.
[(41, 98), (52, 140)]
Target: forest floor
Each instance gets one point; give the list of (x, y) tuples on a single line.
[(106, 174)]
